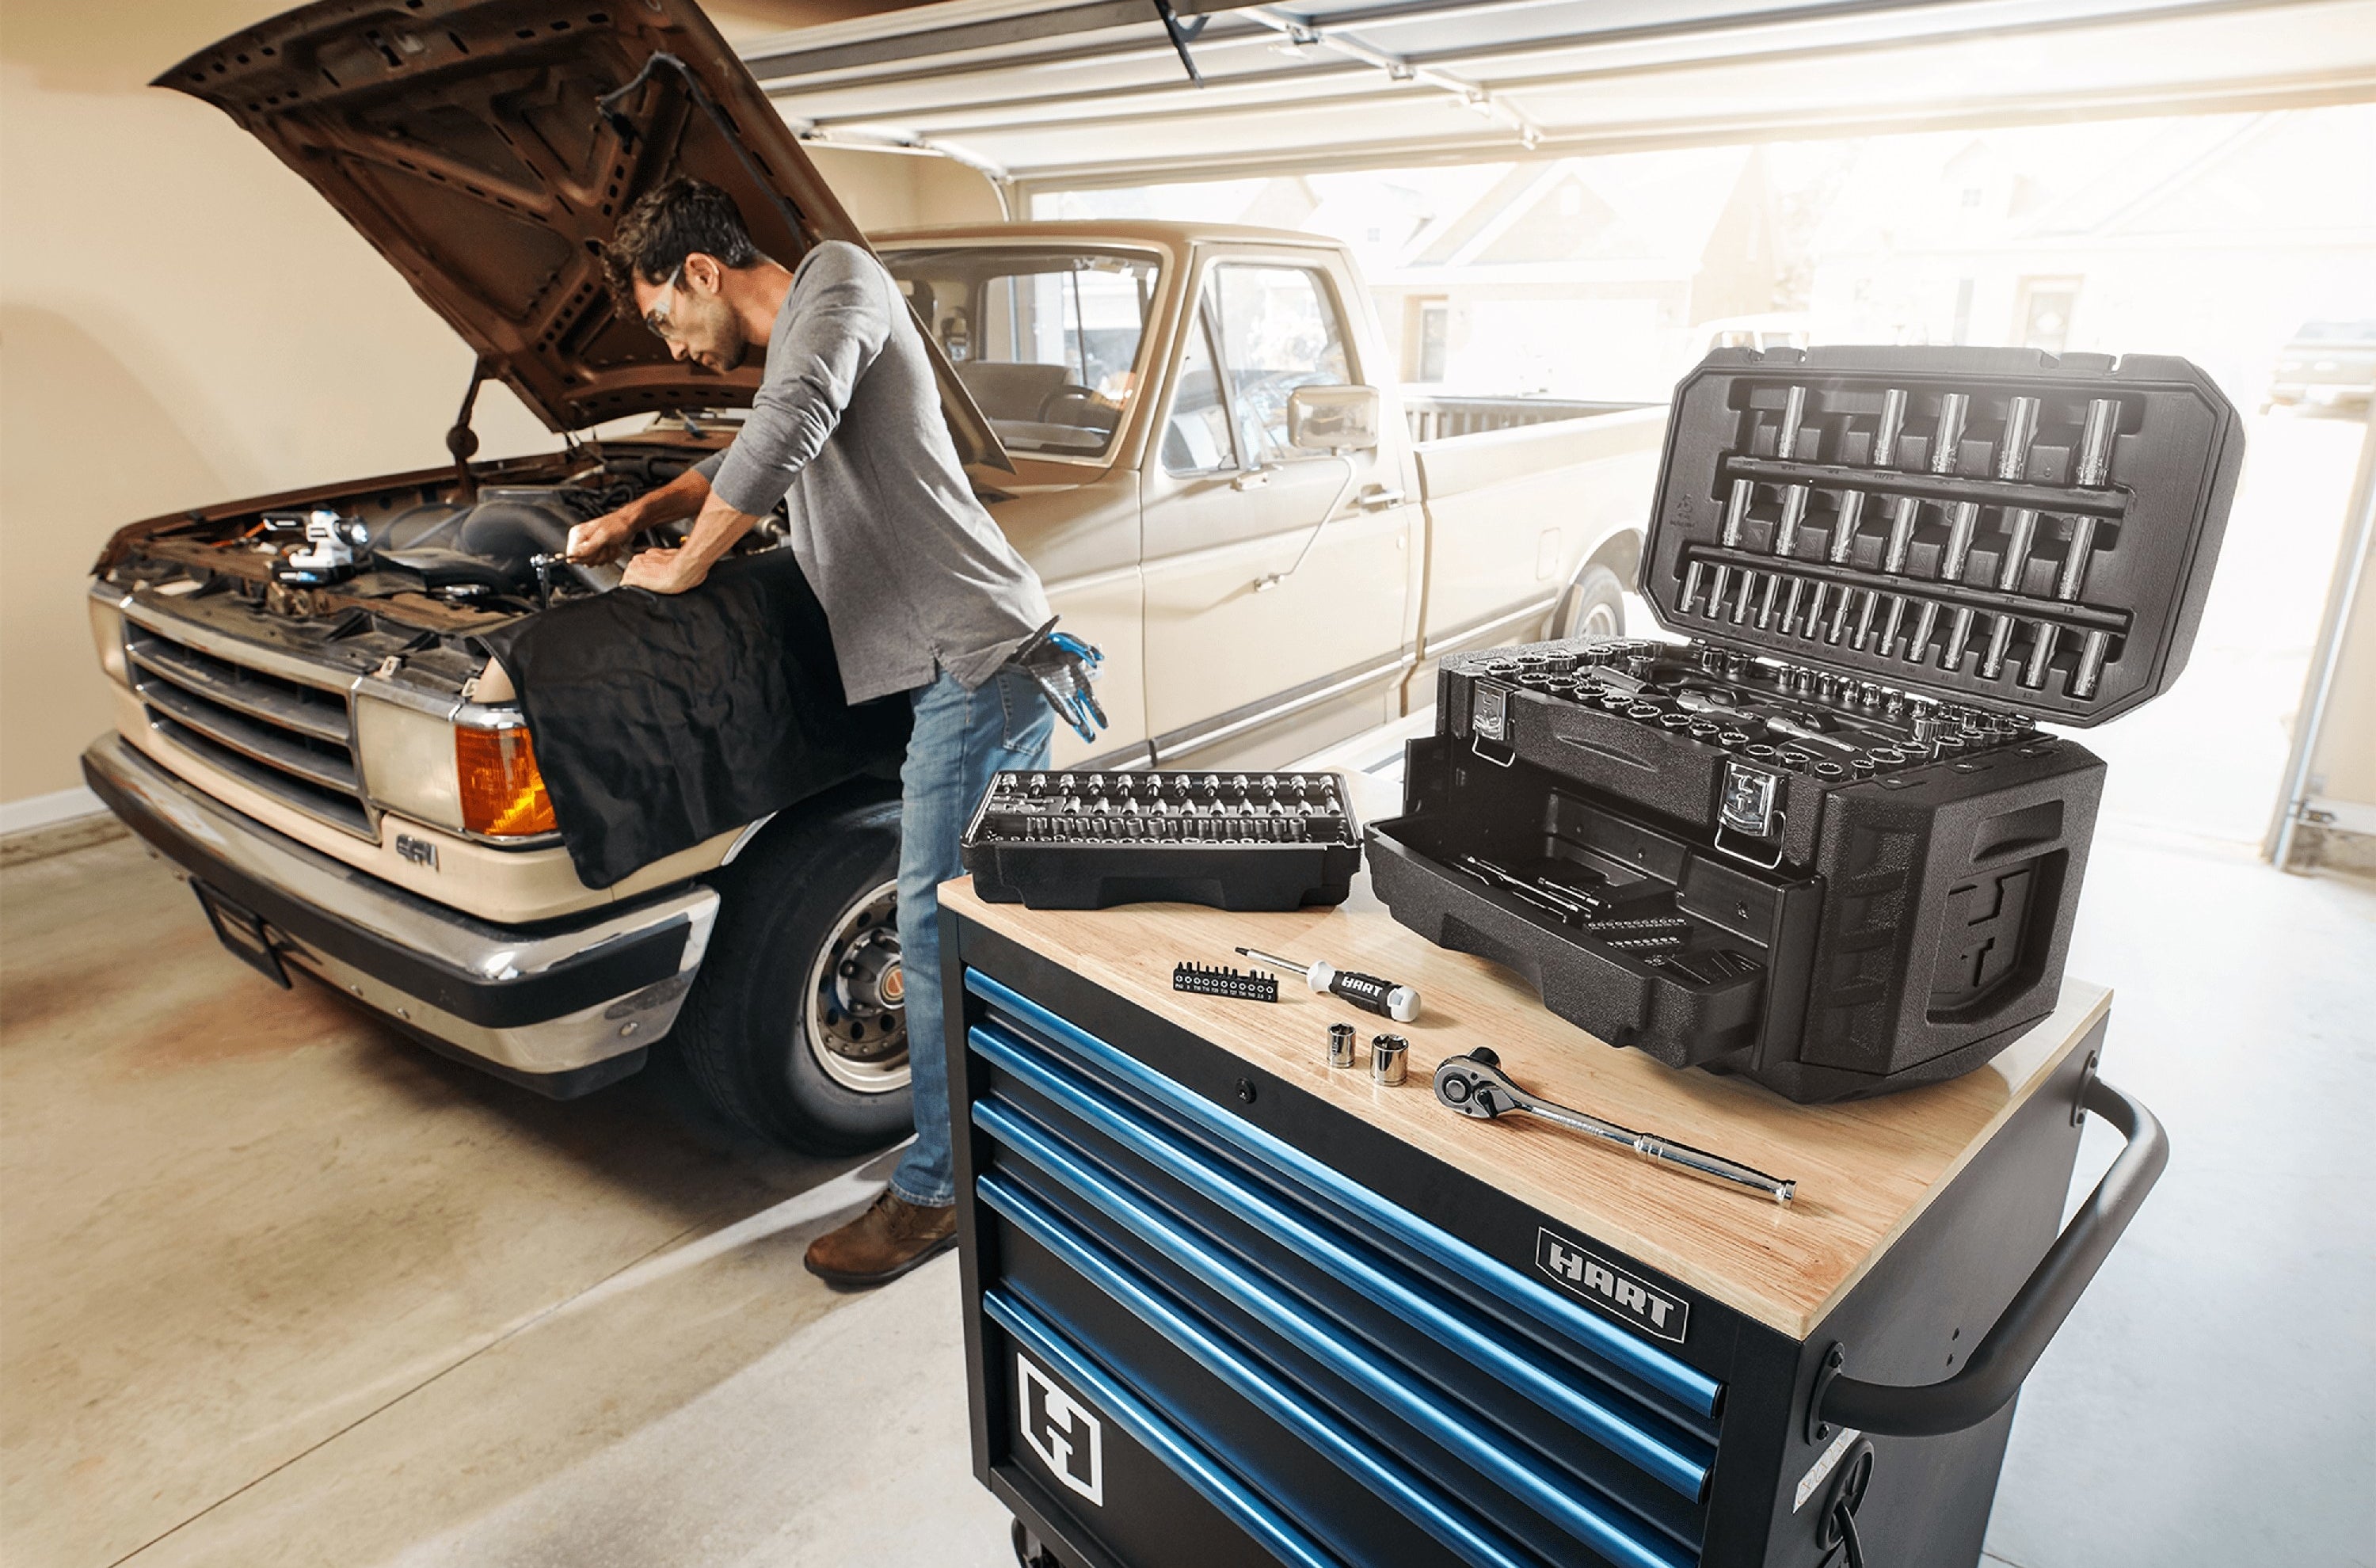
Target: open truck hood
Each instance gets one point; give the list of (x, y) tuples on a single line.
[(470, 142)]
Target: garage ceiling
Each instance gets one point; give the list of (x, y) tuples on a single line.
[(1096, 93)]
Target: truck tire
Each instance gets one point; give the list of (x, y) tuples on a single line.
[(794, 1029), (1593, 606)]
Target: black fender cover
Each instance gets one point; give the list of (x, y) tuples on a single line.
[(660, 720)]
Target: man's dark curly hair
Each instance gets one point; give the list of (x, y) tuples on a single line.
[(672, 221)]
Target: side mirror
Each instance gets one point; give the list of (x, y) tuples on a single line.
[(1333, 419)]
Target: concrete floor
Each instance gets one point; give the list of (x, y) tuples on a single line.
[(282, 1288)]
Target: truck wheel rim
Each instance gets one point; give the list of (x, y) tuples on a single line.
[(1598, 621), (857, 1018)]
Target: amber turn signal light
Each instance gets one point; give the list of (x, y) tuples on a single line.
[(503, 794)]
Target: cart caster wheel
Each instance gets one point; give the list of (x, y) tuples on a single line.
[(1028, 1551)]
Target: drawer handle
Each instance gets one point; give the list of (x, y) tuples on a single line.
[(1999, 1362)]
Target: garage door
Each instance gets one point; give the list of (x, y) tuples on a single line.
[(1102, 92)]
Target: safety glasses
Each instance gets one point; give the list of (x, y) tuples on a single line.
[(657, 319)]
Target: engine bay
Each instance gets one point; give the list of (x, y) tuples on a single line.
[(425, 551)]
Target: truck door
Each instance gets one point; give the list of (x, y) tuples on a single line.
[(1239, 638)]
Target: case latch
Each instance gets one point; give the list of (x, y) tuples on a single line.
[(1489, 711), (1749, 803)]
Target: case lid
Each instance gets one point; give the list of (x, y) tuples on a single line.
[(1998, 527)]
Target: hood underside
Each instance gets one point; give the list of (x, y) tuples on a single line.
[(469, 142)]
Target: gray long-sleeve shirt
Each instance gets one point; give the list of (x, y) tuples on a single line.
[(913, 574)]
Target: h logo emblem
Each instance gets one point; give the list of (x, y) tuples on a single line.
[(1068, 1438)]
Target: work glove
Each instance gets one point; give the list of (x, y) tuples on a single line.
[(1063, 666)]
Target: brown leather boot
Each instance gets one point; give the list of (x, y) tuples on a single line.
[(889, 1239)]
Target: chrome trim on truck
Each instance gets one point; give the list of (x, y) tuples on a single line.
[(1193, 738), (531, 1002), (1491, 628)]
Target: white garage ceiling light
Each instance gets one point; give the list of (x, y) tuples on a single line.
[(1096, 93)]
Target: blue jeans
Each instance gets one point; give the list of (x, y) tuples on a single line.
[(960, 740)]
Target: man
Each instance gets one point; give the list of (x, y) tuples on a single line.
[(922, 593)]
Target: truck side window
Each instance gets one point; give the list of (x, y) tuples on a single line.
[(1196, 437), (1280, 330)]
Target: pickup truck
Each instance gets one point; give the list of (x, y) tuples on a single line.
[(1190, 430)]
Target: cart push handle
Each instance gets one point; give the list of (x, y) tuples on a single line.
[(1999, 1363)]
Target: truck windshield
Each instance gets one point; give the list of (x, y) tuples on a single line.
[(1047, 340)]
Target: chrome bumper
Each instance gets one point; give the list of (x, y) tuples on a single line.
[(562, 1008)]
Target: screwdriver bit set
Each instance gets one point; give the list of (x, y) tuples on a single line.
[(1825, 843), (1086, 841), (1206, 979)]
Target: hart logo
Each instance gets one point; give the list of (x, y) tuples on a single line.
[(1063, 1432), (1606, 1284)]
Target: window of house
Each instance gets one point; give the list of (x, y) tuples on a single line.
[(1434, 340), (2042, 312)]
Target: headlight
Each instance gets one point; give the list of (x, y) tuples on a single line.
[(107, 631), (407, 759), (454, 776)]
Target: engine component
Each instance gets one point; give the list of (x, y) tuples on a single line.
[(328, 554)]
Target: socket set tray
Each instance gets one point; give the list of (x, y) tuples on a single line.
[(1088, 840), (1824, 843)]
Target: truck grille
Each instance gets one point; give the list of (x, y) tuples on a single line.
[(292, 740)]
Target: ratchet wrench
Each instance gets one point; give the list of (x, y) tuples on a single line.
[(1474, 1085)]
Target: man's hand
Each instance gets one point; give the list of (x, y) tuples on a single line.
[(665, 571), (600, 542)]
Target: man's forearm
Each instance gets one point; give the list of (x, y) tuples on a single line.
[(713, 536), (680, 498)]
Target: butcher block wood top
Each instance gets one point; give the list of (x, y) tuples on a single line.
[(1865, 1170)]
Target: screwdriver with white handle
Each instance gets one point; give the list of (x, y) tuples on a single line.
[(1368, 993)]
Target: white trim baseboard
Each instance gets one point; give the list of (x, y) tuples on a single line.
[(47, 811)]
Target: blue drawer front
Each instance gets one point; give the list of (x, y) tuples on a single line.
[(1208, 1475), (1418, 1367)]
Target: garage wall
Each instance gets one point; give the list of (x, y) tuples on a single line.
[(183, 321)]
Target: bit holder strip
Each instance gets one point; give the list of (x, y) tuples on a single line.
[(1237, 984)]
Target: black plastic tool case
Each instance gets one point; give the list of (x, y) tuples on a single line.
[(1824, 843), (1232, 840)]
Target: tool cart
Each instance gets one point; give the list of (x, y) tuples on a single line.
[(1227, 1303), (1708, 1210)]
